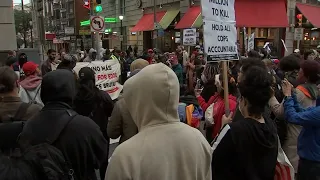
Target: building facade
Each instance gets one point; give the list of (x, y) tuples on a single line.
[(309, 11), (62, 24), (132, 11), (7, 26)]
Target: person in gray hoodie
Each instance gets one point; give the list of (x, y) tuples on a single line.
[(30, 87), (92, 56)]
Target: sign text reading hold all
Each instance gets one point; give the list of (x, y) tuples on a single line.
[(221, 40), (218, 10), (97, 24)]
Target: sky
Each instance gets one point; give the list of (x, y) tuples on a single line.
[(19, 1)]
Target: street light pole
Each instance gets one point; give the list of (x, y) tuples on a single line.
[(24, 25), (155, 23), (31, 33), (121, 31)]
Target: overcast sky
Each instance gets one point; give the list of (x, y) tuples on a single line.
[(19, 1)]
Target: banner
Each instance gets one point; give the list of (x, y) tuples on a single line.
[(107, 75)]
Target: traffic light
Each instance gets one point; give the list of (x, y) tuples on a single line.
[(97, 6), (299, 17)]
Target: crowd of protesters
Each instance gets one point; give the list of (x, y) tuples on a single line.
[(51, 110)]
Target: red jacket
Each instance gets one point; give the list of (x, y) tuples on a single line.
[(218, 109)]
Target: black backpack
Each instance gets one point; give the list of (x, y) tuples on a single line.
[(52, 160), (10, 128)]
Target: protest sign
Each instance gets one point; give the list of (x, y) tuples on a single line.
[(220, 32), (190, 37), (107, 74), (251, 42)]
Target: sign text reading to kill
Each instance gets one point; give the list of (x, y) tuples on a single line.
[(220, 12)]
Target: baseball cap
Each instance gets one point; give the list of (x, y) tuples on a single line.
[(86, 74), (296, 50), (29, 68)]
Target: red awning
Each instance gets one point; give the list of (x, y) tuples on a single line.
[(249, 13), (189, 18), (312, 13), (261, 13), (146, 23)]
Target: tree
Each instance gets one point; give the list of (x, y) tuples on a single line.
[(22, 19)]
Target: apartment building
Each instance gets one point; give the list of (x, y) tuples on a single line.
[(62, 23)]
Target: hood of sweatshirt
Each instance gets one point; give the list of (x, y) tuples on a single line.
[(152, 96), (31, 82)]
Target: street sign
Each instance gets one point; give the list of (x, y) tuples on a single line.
[(298, 34), (160, 32), (189, 37), (157, 26), (251, 42), (69, 30), (220, 33), (97, 24)]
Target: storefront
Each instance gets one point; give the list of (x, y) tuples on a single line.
[(266, 18), (160, 35), (307, 17)]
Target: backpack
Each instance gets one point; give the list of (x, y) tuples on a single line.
[(194, 115), (33, 100), (52, 160), (11, 127)]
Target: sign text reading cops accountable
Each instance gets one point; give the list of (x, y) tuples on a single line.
[(220, 40), (218, 10)]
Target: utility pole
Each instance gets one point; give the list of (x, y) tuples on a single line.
[(155, 23), (95, 36), (24, 25)]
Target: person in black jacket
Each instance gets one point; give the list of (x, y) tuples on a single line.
[(248, 148), (94, 103), (80, 139)]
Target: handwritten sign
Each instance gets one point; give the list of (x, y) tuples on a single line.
[(220, 33), (251, 42), (190, 37), (107, 75), (218, 10)]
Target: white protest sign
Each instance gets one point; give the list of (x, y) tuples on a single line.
[(107, 74), (220, 40), (190, 37), (220, 32), (218, 10), (251, 42)]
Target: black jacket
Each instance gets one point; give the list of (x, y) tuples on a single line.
[(81, 141), (248, 150)]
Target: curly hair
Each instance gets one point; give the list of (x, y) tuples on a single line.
[(290, 63), (254, 54), (232, 85), (311, 70), (255, 87), (245, 64)]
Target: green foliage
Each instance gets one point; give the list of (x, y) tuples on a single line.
[(22, 21)]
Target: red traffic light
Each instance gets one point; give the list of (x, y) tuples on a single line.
[(98, 1), (299, 16), (87, 4)]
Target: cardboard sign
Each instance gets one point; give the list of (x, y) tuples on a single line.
[(220, 32), (107, 75), (190, 37), (251, 42)]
